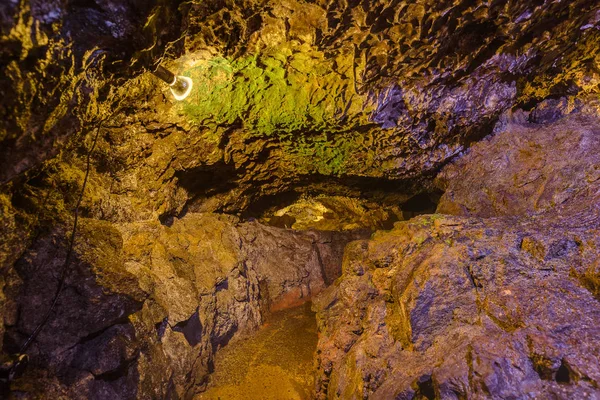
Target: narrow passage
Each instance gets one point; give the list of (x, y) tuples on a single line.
[(276, 363)]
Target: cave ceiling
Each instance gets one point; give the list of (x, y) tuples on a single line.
[(357, 98)]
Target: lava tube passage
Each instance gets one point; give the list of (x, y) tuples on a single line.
[(275, 200)]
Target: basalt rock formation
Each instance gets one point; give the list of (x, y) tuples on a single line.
[(340, 98), (495, 298), (311, 124), (145, 307)]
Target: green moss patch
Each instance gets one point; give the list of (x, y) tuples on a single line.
[(286, 94)]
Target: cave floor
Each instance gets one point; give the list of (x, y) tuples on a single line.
[(274, 363)]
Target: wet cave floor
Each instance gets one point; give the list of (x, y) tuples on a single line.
[(274, 363)]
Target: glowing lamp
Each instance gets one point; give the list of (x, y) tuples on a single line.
[(180, 86)]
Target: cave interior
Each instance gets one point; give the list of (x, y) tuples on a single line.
[(299, 199)]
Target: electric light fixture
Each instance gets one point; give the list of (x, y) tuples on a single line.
[(180, 86)]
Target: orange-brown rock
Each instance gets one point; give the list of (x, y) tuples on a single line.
[(145, 307)]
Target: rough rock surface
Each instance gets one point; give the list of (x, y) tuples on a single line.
[(145, 307), (349, 98), (62, 65), (531, 169), (417, 80), (501, 303), (362, 102)]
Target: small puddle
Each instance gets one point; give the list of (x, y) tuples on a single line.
[(275, 363)]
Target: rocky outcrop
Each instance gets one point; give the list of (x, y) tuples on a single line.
[(145, 307), (533, 167), (500, 303)]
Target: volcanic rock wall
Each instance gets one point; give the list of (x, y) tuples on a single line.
[(347, 98), (145, 307), (499, 300)]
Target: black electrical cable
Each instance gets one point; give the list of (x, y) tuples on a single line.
[(63, 274)]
